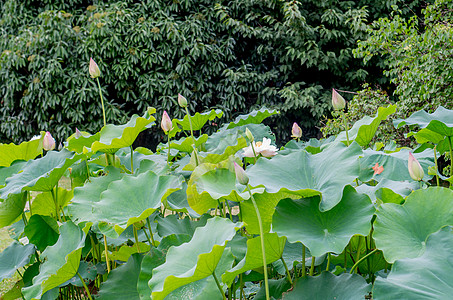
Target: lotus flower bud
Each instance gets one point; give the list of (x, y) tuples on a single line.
[(249, 135), (338, 101), (48, 143), (77, 133), (240, 174), (166, 122), (415, 169), (182, 101), (94, 69), (296, 131)]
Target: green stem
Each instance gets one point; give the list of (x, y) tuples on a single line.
[(136, 239), (253, 149), (102, 101), (287, 271), (359, 244), (263, 250), (150, 232), (368, 258), (345, 258), (106, 254), (55, 201), (451, 157), (328, 262), (29, 201), (345, 127), (190, 124), (437, 167), (229, 209), (303, 260), (218, 285), (360, 260), (312, 267), (19, 273), (132, 160), (220, 208), (168, 154), (241, 285), (85, 286)]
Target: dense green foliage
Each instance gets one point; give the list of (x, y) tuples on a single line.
[(235, 55)]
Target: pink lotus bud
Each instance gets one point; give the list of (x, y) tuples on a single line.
[(182, 101), (296, 131), (166, 123), (48, 142), (338, 101), (415, 169), (240, 174), (94, 69), (77, 133)]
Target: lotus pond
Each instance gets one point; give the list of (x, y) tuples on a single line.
[(228, 215)]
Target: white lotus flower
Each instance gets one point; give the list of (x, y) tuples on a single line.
[(264, 148)]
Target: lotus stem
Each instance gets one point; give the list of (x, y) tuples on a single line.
[(287, 271), (85, 286), (263, 250), (55, 201), (312, 267), (102, 101), (218, 285), (328, 262), (359, 244), (360, 260), (150, 232), (451, 157), (132, 160), (253, 149), (345, 126), (136, 239), (303, 260), (437, 167), (106, 254), (168, 154)]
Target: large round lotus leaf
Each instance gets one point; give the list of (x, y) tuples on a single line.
[(41, 174), (198, 119), (42, 231), (14, 257), (429, 276), (185, 144), (439, 121), (14, 168), (304, 174), (177, 201), (273, 244), (364, 130), (195, 260), (81, 207), (254, 117), (152, 259), (24, 151), (322, 232), (44, 204), (400, 231), (205, 288), (173, 225), (86, 140), (122, 281), (388, 191), (61, 262), (394, 163), (133, 198), (329, 286), (11, 209), (114, 137)]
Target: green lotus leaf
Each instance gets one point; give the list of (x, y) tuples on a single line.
[(122, 281), (205, 288), (86, 140), (61, 262), (151, 260), (14, 168), (388, 191), (276, 289), (198, 120), (145, 162), (439, 121), (313, 146), (323, 232), (125, 251), (400, 231), (194, 260), (172, 225), (254, 117), (292, 254), (395, 164), (429, 276), (132, 199), (14, 257), (364, 130), (81, 207), (305, 175), (114, 137), (273, 244), (87, 271), (11, 209), (23, 151), (14, 292), (329, 286), (42, 231), (41, 174), (185, 144), (177, 201), (43, 204)]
